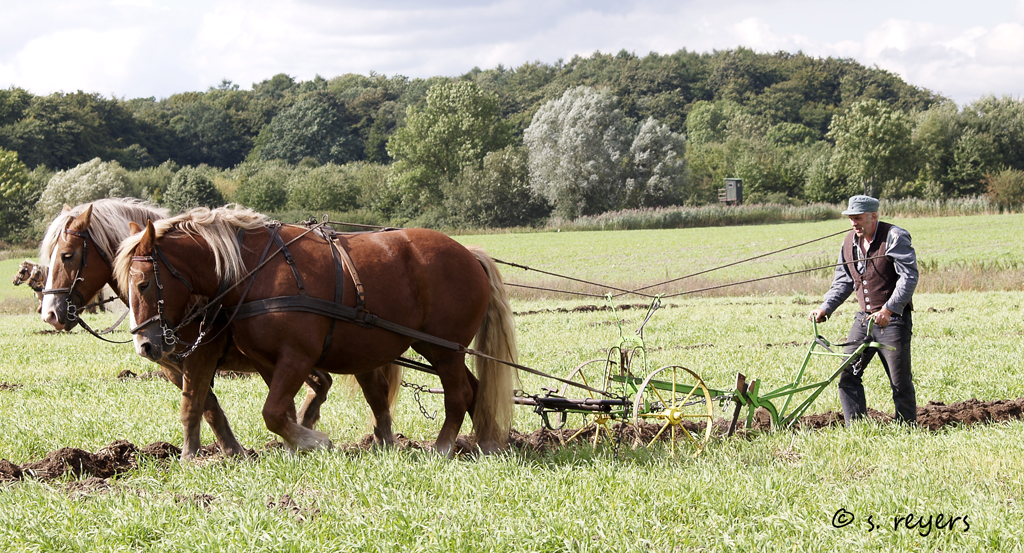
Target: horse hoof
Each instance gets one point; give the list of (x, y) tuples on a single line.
[(491, 448)]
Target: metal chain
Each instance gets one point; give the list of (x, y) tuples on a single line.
[(417, 388)]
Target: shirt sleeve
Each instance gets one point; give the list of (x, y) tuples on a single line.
[(842, 287), (899, 250)]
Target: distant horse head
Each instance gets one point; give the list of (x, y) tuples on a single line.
[(34, 275), (24, 273), (80, 244), (37, 278)]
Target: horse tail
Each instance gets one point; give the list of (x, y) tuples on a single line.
[(492, 417), (392, 372)]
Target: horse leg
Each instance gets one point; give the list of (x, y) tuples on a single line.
[(279, 408), (458, 393), (195, 389), (317, 385), (218, 421), (376, 390), (214, 416)]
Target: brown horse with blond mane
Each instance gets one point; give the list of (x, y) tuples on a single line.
[(438, 294)]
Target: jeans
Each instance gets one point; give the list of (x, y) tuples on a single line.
[(896, 364)]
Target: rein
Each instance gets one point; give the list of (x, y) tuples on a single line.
[(640, 291)]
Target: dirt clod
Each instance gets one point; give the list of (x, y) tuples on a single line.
[(161, 450), (9, 471), (290, 507), (92, 469)]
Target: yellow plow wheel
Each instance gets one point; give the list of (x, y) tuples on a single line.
[(677, 399), (593, 374)]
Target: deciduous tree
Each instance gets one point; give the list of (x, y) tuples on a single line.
[(873, 143), (658, 162), (191, 188), (86, 182), (457, 127), (316, 127), (496, 195), (579, 150), (17, 194)]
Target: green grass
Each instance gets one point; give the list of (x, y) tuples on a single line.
[(767, 492)]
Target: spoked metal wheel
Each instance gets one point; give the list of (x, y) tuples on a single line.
[(677, 399), (592, 374)]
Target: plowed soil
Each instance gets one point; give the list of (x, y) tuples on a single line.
[(89, 471)]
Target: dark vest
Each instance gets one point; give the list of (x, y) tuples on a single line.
[(876, 283)]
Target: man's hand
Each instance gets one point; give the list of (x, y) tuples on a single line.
[(818, 315), (882, 317)]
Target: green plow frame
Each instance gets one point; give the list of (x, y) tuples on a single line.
[(750, 395)]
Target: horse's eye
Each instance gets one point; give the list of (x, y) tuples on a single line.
[(66, 256), (143, 286)]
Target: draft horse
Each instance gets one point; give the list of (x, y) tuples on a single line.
[(80, 244), (279, 284), (34, 275)]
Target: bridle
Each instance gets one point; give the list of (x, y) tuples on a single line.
[(72, 291), (24, 275), (168, 331)]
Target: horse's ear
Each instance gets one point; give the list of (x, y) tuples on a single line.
[(66, 209), (81, 222), (134, 228), (148, 239)]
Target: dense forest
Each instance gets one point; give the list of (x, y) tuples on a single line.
[(508, 147)]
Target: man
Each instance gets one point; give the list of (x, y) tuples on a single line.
[(878, 262)]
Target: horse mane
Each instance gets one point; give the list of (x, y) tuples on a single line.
[(217, 227), (108, 224)]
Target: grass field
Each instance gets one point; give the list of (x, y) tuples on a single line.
[(955, 252), (767, 492)]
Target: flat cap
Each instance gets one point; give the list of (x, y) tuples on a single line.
[(861, 204)]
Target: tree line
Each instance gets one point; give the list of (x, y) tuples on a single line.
[(514, 146)]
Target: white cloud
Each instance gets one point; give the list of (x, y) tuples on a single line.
[(160, 47), (1004, 44), (81, 59)]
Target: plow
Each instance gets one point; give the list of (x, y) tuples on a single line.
[(621, 388)]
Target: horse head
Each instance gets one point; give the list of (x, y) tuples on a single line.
[(160, 296), (24, 273), (37, 280), (78, 270)]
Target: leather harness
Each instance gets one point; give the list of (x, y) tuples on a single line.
[(335, 310), (302, 302)]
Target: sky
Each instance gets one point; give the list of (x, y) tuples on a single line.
[(156, 48)]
